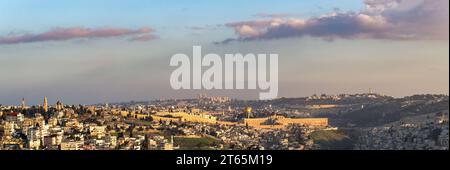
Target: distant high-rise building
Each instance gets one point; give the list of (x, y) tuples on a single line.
[(45, 106)]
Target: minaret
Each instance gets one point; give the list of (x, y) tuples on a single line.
[(23, 103), (45, 105)]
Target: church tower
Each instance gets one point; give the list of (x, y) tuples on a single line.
[(59, 105), (45, 105)]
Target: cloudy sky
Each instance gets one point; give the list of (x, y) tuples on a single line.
[(92, 51)]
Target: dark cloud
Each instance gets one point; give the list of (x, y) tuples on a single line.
[(61, 34), (229, 40), (382, 19)]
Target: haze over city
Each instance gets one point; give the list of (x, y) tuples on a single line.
[(111, 51)]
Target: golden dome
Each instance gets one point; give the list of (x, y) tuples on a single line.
[(248, 110)]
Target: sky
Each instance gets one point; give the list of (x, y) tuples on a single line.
[(96, 51)]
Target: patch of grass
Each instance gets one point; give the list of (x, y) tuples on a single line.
[(194, 143), (332, 140), (139, 122)]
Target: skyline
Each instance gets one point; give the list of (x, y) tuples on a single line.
[(112, 51), (55, 101)]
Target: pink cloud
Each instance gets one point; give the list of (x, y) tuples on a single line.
[(145, 37), (382, 19), (61, 34)]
